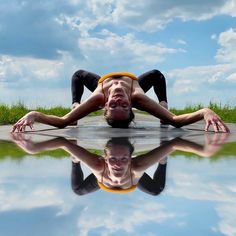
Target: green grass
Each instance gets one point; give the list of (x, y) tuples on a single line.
[(11, 114), (226, 112)]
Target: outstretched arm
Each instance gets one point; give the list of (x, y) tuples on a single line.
[(143, 102), (93, 103), (79, 153), (211, 146), (213, 143)]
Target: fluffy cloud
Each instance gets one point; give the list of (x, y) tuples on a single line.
[(114, 52), (137, 213), (39, 197), (152, 15), (35, 38), (227, 43), (227, 217), (40, 30)]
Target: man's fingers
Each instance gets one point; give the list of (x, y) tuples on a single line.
[(215, 126), (207, 126)]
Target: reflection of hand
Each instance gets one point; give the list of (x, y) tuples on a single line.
[(25, 143), (211, 118), (213, 143), (25, 121)]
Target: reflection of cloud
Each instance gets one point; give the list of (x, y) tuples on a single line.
[(231, 77), (214, 186), (23, 188), (227, 214), (125, 219), (39, 197), (193, 186)]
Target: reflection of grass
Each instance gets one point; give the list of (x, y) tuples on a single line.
[(228, 150), (10, 114), (12, 151)]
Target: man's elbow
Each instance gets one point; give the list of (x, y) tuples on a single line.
[(63, 123), (176, 122)]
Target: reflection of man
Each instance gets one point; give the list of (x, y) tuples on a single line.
[(114, 148), (117, 171)]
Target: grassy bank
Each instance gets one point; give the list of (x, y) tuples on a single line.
[(10, 114)]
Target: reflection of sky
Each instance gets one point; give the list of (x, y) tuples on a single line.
[(36, 199)]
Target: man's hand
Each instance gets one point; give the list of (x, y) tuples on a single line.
[(211, 118), (27, 120)]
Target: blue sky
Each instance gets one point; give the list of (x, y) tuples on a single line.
[(192, 42)]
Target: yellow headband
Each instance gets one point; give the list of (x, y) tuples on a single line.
[(122, 73), (110, 190)]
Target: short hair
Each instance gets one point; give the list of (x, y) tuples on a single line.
[(120, 123)]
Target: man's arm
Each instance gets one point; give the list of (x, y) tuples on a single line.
[(143, 102), (93, 103)]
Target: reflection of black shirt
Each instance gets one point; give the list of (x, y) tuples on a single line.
[(153, 186), (79, 185)]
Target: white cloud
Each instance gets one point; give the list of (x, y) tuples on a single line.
[(227, 43), (122, 52), (227, 215), (181, 41), (24, 69), (229, 8), (39, 197), (205, 80), (208, 189), (231, 77), (151, 15), (138, 213), (36, 81), (184, 86)]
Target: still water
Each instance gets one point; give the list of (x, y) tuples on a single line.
[(175, 187)]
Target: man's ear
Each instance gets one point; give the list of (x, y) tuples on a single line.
[(105, 158)]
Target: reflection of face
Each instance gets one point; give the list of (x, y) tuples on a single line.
[(118, 159), (118, 104)]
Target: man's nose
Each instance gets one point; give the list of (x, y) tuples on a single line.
[(118, 163)]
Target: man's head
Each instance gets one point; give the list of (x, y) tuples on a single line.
[(118, 108), (118, 153)]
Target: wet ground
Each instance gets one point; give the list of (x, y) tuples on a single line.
[(188, 185)]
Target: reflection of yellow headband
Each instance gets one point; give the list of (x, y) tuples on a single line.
[(127, 190), (122, 73)]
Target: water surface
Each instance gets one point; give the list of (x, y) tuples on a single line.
[(37, 196)]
